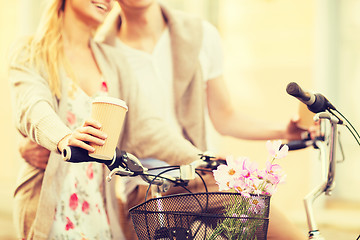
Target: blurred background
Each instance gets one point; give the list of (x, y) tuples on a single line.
[(266, 44)]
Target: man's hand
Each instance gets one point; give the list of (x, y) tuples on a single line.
[(294, 132), (33, 153)]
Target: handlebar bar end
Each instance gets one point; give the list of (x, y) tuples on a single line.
[(66, 154)]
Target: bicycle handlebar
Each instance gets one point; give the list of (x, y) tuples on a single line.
[(304, 143), (126, 164)]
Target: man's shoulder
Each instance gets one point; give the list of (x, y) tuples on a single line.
[(209, 29), (185, 17), (190, 22)]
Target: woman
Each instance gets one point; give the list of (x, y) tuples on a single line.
[(54, 75)]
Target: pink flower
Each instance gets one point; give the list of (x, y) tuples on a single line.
[(273, 173), (269, 189), (69, 225), (272, 168), (104, 87), (275, 151), (73, 202), (71, 118), (241, 186), (85, 207), (257, 205), (255, 185), (248, 167), (89, 171)]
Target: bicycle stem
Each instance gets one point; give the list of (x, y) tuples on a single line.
[(328, 174)]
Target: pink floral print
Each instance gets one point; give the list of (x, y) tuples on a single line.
[(85, 207), (74, 201), (89, 171), (69, 224), (71, 118)]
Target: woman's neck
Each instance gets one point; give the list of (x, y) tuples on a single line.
[(142, 28), (76, 34)]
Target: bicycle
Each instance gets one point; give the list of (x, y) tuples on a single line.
[(125, 164), (186, 215)]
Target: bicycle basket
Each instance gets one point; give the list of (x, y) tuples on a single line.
[(219, 215)]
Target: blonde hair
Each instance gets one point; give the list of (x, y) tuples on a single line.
[(46, 46), (44, 50)]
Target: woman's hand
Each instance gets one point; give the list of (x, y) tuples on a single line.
[(83, 136)]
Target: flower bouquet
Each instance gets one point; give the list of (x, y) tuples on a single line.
[(241, 176)]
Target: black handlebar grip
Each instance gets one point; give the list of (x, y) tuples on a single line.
[(295, 90), (79, 155), (299, 144)]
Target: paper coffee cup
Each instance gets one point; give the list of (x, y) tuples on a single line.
[(306, 117), (110, 113)]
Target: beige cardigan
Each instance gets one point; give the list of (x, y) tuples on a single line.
[(38, 114), (189, 90)]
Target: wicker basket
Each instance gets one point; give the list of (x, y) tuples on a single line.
[(219, 215)]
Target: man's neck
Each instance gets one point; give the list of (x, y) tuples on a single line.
[(142, 28)]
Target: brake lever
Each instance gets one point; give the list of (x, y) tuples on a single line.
[(132, 163), (211, 160), (341, 149), (118, 171)]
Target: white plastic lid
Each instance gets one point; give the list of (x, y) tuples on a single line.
[(111, 100)]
